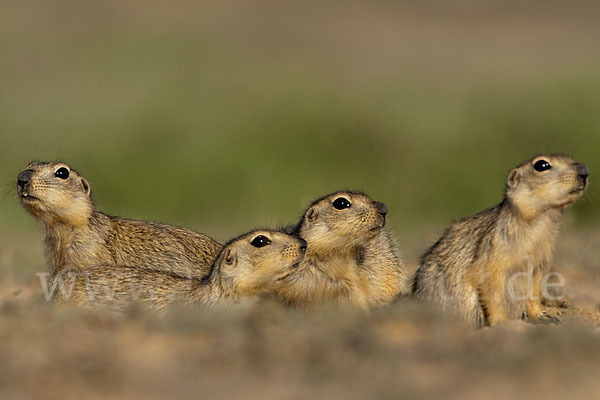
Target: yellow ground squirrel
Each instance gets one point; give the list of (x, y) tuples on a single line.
[(247, 268), (468, 270), (77, 234), (351, 258)]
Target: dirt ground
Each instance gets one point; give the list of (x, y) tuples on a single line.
[(403, 350)]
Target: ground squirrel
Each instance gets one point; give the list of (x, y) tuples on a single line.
[(351, 258), (469, 269), (77, 234), (246, 268)]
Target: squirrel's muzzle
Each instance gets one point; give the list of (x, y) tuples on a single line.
[(303, 245), (583, 172), (381, 208), (24, 178)]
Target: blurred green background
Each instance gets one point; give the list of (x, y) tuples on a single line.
[(224, 116)]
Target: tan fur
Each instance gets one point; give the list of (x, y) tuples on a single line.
[(351, 258), (241, 273), (77, 234), (469, 269)]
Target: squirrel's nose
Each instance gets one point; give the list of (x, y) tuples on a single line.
[(303, 245), (583, 171), (24, 178), (381, 208)]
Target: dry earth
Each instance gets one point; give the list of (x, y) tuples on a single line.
[(403, 350)]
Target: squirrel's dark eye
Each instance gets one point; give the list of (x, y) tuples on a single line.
[(340, 203), (62, 173), (260, 241), (542, 165)]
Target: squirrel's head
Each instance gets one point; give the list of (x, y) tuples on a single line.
[(54, 193), (254, 261), (341, 220), (547, 181)]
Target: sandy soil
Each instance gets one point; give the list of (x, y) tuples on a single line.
[(406, 349)]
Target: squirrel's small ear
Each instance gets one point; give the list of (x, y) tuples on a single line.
[(86, 186), (229, 257), (311, 215), (513, 178)]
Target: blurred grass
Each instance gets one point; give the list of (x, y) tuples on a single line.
[(192, 114)]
